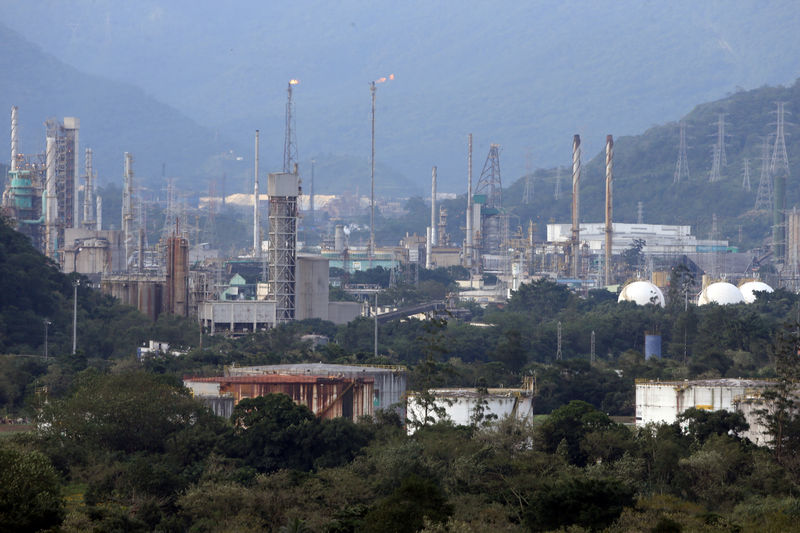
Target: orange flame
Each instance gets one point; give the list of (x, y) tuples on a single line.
[(383, 79), (294, 82)]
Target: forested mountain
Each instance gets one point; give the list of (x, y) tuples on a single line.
[(644, 166), (115, 117), (525, 75)]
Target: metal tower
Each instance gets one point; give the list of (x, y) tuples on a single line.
[(682, 166), (490, 186), (764, 195), (780, 160), (290, 142), (283, 189), (746, 175), (719, 159), (527, 195), (557, 191), (489, 182)]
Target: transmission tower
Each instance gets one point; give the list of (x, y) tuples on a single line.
[(558, 350), (780, 160), (682, 166), (746, 176), (557, 192), (719, 159), (764, 196), (527, 195), (290, 142)]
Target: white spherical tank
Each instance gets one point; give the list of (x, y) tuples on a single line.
[(722, 293), (641, 293), (750, 288)]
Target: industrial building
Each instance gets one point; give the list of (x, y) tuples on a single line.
[(327, 397), (460, 405), (660, 239), (389, 389), (660, 402)]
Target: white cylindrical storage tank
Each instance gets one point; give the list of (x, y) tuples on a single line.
[(750, 288), (722, 293), (641, 293)]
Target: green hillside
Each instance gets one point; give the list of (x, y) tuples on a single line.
[(644, 166), (33, 290)]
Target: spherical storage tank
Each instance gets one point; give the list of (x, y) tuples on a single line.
[(641, 293), (722, 293), (750, 288)]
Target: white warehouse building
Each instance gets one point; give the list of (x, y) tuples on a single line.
[(660, 402), (660, 239)]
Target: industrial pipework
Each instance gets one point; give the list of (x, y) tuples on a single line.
[(576, 204), (609, 205)]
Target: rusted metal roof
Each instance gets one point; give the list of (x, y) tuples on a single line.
[(276, 378)]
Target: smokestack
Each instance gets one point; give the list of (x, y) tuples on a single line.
[(468, 251), (99, 216), (88, 192), (256, 234), (14, 139), (609, 205), (576, 203), (434, 241), (127, 211), (50, 204), (428, 246)]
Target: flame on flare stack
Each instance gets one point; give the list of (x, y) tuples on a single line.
[(384, 79), (293, 82)]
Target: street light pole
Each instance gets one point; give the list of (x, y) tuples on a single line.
[(75, 315), (46, 323)]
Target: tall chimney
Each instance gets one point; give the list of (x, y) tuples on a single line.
[(468, 251), (609, 205), (576, 204), (127, 207), (99, 216), (51, 205), (88, 191), (256, 234), (14, 139), (434, 240), (428, 246)]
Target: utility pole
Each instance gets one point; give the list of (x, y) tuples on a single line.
[(75, 315), (375, 320), (46, 324), (558, 350)]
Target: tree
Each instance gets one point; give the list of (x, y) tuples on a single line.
[(571, 423), (576, 499), (701, 424), (30, 493), (407, 507), (781, 414)]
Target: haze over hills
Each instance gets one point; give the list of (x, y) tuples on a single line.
[(116, 117), (526, 75)]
